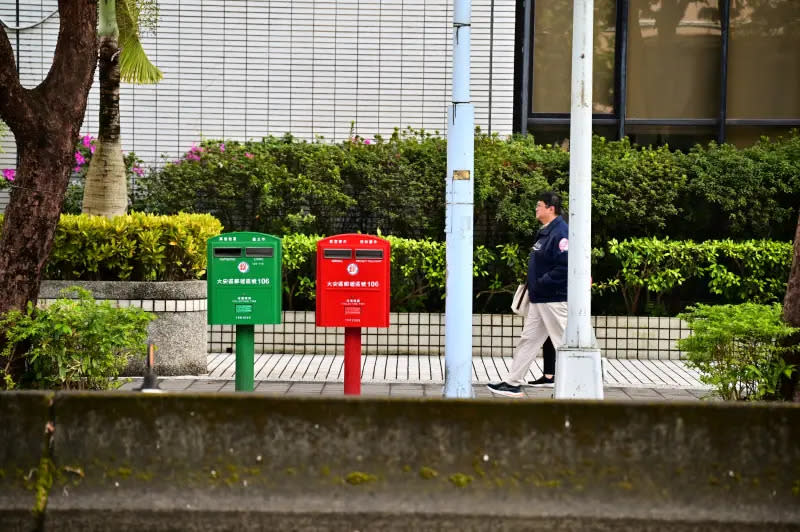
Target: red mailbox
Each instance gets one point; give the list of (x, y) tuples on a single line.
[(353, 281), (352, 292)]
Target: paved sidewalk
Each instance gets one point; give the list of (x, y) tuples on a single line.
[(423, 376), (336, 389), (427, 369)]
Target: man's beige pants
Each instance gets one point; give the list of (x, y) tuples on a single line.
[(543, 320)]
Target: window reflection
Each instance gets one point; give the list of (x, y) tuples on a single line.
[(674, 59), (764, 59), (676, 137), (552, 56)]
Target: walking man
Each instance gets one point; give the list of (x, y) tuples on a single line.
[(547, 289)]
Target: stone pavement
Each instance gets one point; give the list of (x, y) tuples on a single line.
[(426, 369), (423, 376), (336, 389)]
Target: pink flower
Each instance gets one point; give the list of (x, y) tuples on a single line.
[(91, 148), (77, 169), (248, 155), (221, 146), (138, 170), (192, 156), (367, 141), (9, 174), (87, 140), (79, 158)]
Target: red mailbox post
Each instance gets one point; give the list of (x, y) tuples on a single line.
[(353, 291)]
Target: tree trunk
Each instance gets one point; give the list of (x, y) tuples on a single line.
[(791, 315), (106, 189), (46, 123)]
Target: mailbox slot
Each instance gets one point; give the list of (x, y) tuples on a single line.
[(227, 252), (266, 253), (369, 254), (338, 253)]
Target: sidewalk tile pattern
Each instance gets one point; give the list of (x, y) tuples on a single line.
[(422, 369)]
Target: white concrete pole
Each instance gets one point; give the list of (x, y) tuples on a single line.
[(578, 364), (459, 215)]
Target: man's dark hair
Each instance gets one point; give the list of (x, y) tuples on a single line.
[(551, 199)]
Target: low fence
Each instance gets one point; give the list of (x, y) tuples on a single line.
[(637, 337)]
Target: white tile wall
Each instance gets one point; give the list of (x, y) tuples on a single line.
[(243, 69), (493, 335)]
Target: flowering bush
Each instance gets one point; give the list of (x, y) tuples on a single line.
[(83, 156), (275, 186)]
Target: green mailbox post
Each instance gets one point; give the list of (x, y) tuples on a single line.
[(244, 289)]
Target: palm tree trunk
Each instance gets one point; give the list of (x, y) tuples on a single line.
[(106, 189)]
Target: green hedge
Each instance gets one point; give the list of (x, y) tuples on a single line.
[(417, 272), (634, 276), (396, 186), (135, 247), (643, 270), (721, 270)]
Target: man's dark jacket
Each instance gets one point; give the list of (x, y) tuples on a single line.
[(547, 264)]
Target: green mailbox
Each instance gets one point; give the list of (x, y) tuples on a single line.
[(244, 279), (244, 289)]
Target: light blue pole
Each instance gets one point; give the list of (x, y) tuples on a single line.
[(458, 219)]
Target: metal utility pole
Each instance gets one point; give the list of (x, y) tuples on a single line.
[(458, 218), (578, 366)]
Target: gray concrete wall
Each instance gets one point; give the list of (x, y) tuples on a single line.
[(248, 462)]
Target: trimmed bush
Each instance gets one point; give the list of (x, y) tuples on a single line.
[(417, 272), (135, 247), (642, 270), (741, 193), (753, 270)]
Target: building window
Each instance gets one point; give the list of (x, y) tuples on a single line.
[(673, 59), (764, 59), (665, 71), (552, 56)]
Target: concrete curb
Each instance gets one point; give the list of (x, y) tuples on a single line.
[(250, 462)]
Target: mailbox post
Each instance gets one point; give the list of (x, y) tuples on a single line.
[(244, 289), (353, 291)]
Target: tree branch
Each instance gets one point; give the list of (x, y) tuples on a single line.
[(13, 97), (75, 55)]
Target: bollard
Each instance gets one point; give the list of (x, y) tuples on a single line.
[(150, 382)]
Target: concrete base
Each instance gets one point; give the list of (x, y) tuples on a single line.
[(179, 332), (579, 373)]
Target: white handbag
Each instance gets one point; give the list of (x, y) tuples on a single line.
[(521, 301)]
